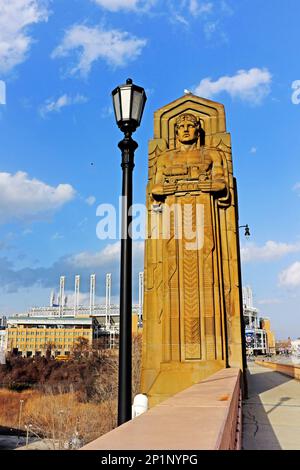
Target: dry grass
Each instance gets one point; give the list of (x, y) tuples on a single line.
[(60, 417), (10, 406), (57, 416)]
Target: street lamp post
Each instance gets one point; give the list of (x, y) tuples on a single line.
[(60, 432), (19, 420), (28, 428), (247, 230), (243, 327), (129, 102)]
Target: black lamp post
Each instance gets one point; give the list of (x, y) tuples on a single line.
[(129, 102), (247, 230)]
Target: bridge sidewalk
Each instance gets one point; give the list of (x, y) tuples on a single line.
[(271, 414)]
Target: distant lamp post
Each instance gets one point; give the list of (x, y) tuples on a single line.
[(129, 102), (247, 230), (60, 440), (28, 429), (20, 417)]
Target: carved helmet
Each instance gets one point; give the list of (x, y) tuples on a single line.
[(187, 117)]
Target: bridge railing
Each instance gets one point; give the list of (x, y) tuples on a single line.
[(292, 370), (206, 416)]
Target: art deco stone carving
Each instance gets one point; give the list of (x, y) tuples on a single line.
[(192, 298)]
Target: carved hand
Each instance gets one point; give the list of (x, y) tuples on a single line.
[(158, 190), (216, 185), (177, 170)]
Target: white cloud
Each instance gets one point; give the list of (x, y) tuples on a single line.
[(269, 251), (16, 16), (84, 298), (116, 5), (87, 259), (90, 200), (26, 198), (199, 8), (27, 231), (252, 85), (94, 43), (211, 28), (272, 301), (82, 223), (104, 261), (296, 187), (175, 17), (226, 8), (51, 105), (194, 8), (253, 150), (57, 236), (107, 256), (290, 277), (108, 111)]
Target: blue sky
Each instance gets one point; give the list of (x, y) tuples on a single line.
[(60, 59)]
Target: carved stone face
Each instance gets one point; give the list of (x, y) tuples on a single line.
[(187, 132)]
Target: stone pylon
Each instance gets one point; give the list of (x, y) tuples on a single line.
[(192, 289)]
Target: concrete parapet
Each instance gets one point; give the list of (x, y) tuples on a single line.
[(287, 369), (206, 416)]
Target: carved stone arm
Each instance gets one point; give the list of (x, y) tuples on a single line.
[(213, 185)]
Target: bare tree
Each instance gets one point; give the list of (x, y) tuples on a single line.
[(48, 347), (136, 363), (81, 347)]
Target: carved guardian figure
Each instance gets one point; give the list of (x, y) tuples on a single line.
[(192, 314)]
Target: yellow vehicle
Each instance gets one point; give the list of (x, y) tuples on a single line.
[(62, 357)]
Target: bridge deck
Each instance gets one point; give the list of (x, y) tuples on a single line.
[(271, 414)]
